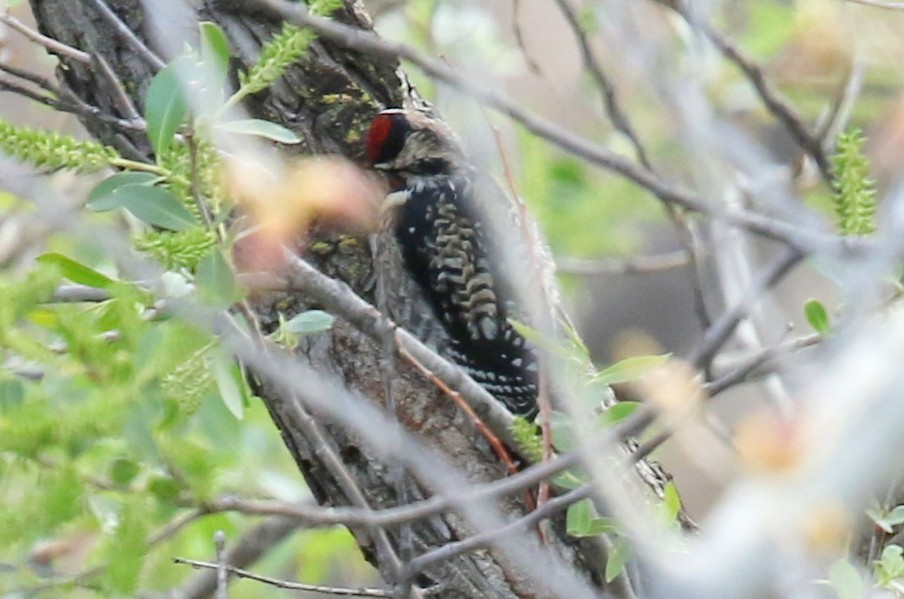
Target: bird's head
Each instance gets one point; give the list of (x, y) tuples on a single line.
[(410, 143)]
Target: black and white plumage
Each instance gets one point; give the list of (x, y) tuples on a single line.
[(449, 224)]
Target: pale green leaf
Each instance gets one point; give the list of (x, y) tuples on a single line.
[(310, 321), (215, 279), (630, 369), (845, 580), (154, 205), (260, 128), (230, 392), (100, 198), (817, 316), (618, 557), (165, 108), (76, 271)]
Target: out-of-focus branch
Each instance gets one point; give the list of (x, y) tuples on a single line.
[(780, 108), (285, 584), (622, 266), (126, 34), (879, 4), (619, 118), (716, 336), (758, 362), (251, 546), (803, 239), (52, 45)]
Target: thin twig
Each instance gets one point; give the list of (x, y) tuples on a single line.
[(757, 362), (879, 4), (487, 537), (126, 34), (611, 104), (120, 95), (219, 539), (622, 266), (716, 336), (789, 234), (780, 108), (50, 44), (284, 584)]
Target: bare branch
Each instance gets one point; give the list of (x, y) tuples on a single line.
[(879, 4), (722, 329), (802, 239), (284, 584), (52, 45), (126, 34)]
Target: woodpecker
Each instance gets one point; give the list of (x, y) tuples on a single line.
[(455, 234)]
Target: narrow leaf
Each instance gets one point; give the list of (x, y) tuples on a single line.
[(154, 205), (630, 369), (165, 108), (77, 272), (215, 278), (846, 581), (226, 384), (261, 128), (214, 68), (817, 316), (98, 197), (214, 47), (311, 321), (618, 412), (618, 557), (578, 517)]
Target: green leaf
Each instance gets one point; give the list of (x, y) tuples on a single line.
[(165, 489), (12, 393), (310, 321), (214, 68), (260, 128), (618, 557), (630, 369), (817, 316), (214, 47), (154, 205), (896, 516), (215, 279), (845, 580), (618, 412), (578, 517), (892, 561), (123, 471), (230, 392), (562, 435), (165, 108), (76, 271), (98, 197), (671, 502)]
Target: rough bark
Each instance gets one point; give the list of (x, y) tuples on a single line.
[(328, 99)]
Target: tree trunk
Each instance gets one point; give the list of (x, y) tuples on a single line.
[(328, 99)]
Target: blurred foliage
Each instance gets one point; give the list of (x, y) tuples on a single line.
[(113, 420)]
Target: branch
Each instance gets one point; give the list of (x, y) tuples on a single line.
[(283, 584), (879, 4), (778, 106), (716, 336), (789, 234), (53, 46), (251, 546)]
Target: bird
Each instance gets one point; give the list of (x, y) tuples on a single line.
[(462, 242)]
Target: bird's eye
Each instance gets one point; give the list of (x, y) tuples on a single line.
[(386, 136)]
